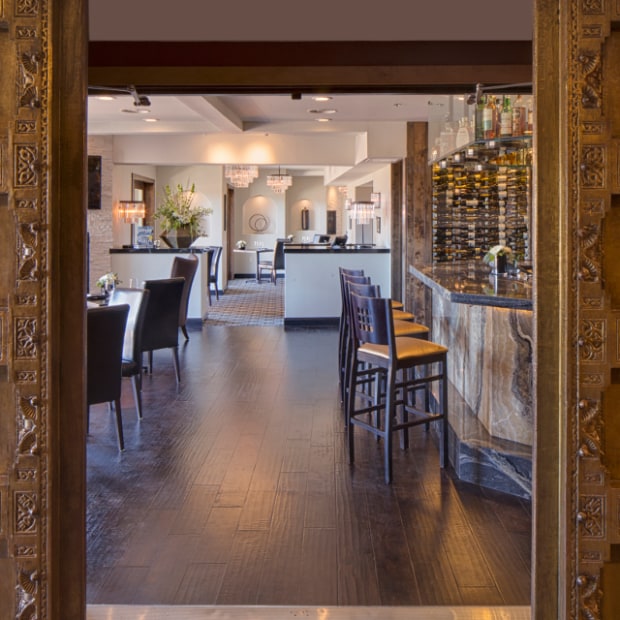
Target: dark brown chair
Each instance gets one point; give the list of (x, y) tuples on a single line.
[(161, 322), (184, 268), (137, 299), (275, 264), (105, 331), (214, 273), (402, 367)]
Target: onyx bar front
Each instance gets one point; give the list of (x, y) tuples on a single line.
[(486, 323)]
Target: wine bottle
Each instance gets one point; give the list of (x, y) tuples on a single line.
[(517, 116)]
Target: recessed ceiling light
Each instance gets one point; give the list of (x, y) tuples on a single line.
[(322, 98), (323, 120), (150, 120), (323, 111), (106, 98), (129, 111)]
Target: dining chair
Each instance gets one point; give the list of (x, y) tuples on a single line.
[(214, 272), (105, 331), (161, 322), (184, 268), (137, 300), (275, 264), (402, 367)]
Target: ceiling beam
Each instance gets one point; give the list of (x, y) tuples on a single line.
[(306, 67)]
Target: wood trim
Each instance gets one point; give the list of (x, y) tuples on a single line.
[(306, 53)]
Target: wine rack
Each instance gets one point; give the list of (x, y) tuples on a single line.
[(481, 198)]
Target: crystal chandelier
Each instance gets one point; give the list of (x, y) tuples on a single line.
[(240, 176), (279, 183), (362, 211)]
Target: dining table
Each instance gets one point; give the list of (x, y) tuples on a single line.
[(257, 251)]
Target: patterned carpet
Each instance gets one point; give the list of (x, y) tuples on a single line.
[(249, 303)]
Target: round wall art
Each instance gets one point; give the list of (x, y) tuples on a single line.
[(258, 222)]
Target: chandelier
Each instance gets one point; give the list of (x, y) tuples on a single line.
[(279, 183), (362, 211), (240, 176)]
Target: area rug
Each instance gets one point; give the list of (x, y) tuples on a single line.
[(248, 303)]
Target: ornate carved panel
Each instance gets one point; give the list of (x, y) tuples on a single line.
[(595, 85)]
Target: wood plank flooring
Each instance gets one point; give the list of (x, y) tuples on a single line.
[(235, 489)]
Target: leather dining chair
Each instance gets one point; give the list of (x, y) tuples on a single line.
[(105, 331), (275, 264), (184, 268), (137, 300), (161, 322), (214, 273)]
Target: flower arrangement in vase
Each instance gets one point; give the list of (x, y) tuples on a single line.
[(497, 257), (108, 282), (179, 216)]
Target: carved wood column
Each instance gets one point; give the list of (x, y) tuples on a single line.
[(577, 516), (42, 288)]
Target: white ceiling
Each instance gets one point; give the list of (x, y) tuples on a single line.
[(260, 115), (253, 113)]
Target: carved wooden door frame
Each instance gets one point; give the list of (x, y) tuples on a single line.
[(42, 287)]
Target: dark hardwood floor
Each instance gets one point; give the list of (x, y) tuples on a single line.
[(235, 489)]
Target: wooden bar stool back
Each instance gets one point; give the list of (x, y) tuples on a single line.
[(402, 367)]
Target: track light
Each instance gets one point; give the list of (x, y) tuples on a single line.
[(140, 101)]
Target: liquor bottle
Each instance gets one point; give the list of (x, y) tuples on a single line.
[(529, 128), (506, 118), (488, 118), (462, 135), (518, 116), (478, 124)]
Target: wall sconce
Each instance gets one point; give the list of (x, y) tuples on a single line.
[(132, 212), (375, 198), (305, 218)]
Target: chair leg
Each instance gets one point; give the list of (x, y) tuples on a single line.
[(217, 292), (87, 419), (119, 424), (184, 330), (389, 413), (136, 384), (150, 362), (443, 450), (209, 294), (175, 361)]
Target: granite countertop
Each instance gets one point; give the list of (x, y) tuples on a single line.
[(471, 282), (159, 250), (309, 248)]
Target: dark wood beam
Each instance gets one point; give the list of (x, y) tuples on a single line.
[(330, 66)]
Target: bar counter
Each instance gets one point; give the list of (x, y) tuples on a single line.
[(141, 264), (486, 323), (312, 283), (471, 282)]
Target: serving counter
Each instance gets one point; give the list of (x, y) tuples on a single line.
[(139, 264), (486, 323), (312, 284)]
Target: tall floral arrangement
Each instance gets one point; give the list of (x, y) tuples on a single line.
[(178, 209)]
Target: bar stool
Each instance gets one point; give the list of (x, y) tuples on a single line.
[(402, 328), (400, 368)]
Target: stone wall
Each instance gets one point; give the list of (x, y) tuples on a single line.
[(99, 224)]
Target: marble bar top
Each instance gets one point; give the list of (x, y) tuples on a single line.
[(310, 248), (200, 250), (471, 282)]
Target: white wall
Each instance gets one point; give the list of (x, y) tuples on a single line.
[(308, 192)]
